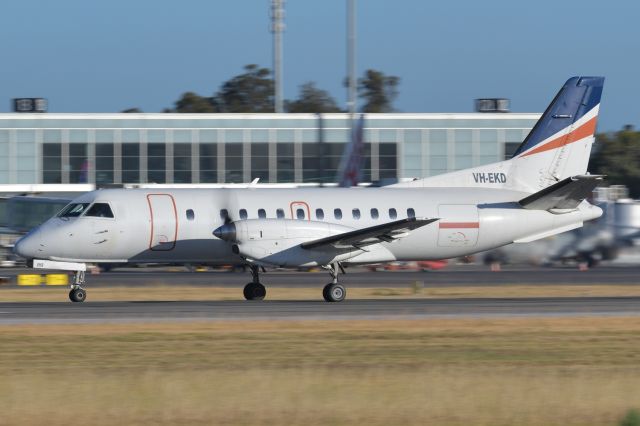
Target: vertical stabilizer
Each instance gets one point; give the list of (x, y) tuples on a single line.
[(560, 143), (350, 169), (558, 146)]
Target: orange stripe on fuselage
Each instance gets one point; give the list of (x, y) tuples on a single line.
[(449, 225), (587, 129)]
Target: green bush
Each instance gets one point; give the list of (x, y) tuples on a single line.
[(631, 419)]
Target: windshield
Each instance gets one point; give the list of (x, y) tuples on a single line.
[(100, 210), (73, 210)]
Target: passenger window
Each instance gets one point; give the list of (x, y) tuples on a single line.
[(100, 210), (319, 214), (280, 214), (356, 213), (262, 214), (190, 214), (224, 215), (300, 214), (393, 214), (243, 214), (374, 213), (73, 210), (411, 212), (337, 213)]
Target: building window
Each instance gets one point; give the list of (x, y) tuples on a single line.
[(243, 214), (280, 214), (393, 214), (260, 161), (411, 212), (182, 163), (52, 162), (262, 214), (337, 213), (208, 162), (319, 214), (190, 215), (130, 163), (156, 162), (374, 214), (356, 213), (79, 163), (104, 163)]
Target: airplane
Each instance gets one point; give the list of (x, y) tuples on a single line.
[(540, 191)]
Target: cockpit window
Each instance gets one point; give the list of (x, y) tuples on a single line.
[(73, 210), (99, 210)]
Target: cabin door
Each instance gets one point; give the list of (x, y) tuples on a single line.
[(164, 222)]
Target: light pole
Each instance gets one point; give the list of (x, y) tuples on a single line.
[(277, 27)]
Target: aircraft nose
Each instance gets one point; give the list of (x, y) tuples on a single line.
[(28, 246)]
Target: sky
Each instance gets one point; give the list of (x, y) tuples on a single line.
[(107, 56)]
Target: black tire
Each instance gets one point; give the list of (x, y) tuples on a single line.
[(77, 295), (334, 292), (254, 291)]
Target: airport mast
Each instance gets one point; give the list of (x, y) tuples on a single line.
[(277, 27)]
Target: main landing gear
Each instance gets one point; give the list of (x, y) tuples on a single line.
[(77, 293), (334, 292), (254, 290)]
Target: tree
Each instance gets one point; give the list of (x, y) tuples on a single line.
[(248, 92), (617, 155), (132, 111), (312, 99), (378, 91), (193, 103)]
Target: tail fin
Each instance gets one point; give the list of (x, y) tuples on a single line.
[(560, 143), (558, 146), (352, 161)]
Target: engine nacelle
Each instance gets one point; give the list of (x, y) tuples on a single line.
[(277, 241)]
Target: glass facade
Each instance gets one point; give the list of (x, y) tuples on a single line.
[(228, 148)]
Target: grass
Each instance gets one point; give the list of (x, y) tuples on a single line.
[(525, 371), (190, 292)]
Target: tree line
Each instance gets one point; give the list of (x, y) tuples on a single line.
[(253, 92)]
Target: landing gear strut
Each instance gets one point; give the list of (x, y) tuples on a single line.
[(334, 292), (77, 293), (254, 290)]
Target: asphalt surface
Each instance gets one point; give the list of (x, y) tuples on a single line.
[(118, 312), (455, 275), (465, 275)]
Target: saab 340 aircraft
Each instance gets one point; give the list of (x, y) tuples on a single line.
[(539, 192)]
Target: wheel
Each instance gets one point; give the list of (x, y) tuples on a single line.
[(254, 291), (77, 295), (334, 292)]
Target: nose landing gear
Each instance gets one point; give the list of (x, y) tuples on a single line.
[(77, 293)]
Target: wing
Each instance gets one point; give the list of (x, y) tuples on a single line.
[(359, 238), (566, 194)]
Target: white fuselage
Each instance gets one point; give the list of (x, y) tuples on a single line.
[(176, 225)]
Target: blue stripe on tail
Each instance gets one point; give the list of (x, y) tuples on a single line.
[(577, 97)]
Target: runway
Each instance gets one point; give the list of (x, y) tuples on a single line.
[(125, 312), (454, 275)]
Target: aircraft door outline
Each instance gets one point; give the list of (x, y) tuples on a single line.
[(164, 222)]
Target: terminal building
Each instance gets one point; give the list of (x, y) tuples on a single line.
[(108, 149)]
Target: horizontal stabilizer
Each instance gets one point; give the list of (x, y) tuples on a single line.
[(386, 232), (566, 194)]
